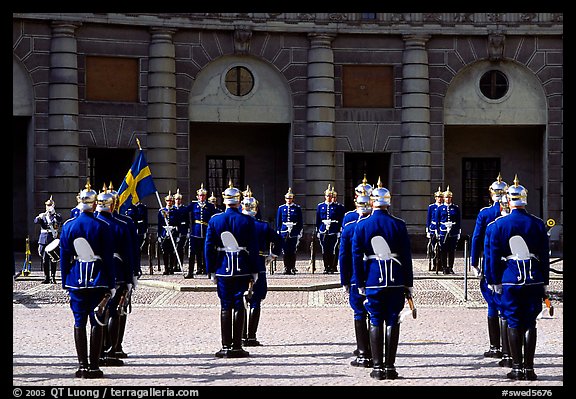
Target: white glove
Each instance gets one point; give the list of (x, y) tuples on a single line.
[(255, 277), (497, 288), (545, 288), (134, 281), (458, 237), (213, 278), (409, 291), (112, 292), (476, 271), (346, 288), (129, 287), (428, 235), (318, 235), (362, 291)]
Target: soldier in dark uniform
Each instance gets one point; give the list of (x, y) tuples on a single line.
[(270, 244), (124, 265), (518, 266), (88, 276), (168, 213), (139, 214), (183, 217), (200, 212), (431, 224), (289, 223), (485, 216), (231, 250), (49, 222), (329, 216), (448, 231), (382, 267), (363, 209)]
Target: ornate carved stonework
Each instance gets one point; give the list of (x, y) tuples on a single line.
[(242, 38), (496, 46)]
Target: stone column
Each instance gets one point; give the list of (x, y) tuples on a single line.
[(320, 138), (415, 153), (63, 139), (161, 123)]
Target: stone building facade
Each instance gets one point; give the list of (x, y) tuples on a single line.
[(301, 100)]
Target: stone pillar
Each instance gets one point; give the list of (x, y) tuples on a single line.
[(161, 122), (415, 154), (320, 138), (63, 139)]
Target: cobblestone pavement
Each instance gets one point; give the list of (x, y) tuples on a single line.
[(306, 329)]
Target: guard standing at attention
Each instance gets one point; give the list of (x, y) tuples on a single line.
[(183, 223), (49, 222), (518, 266), (382, 267), (231, 250), (86, 264), (200, 213), (487, 215), (448, 232), (270, 245), (289, 223), (356, 300), (169, 214), (329, 217)]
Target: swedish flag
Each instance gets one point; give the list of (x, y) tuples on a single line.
[(137, 184)]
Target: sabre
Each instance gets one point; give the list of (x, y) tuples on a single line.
[(405, 312), (448, 229), (100, 310)]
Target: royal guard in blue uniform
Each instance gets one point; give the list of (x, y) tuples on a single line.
[(124, 266), (87, 267), (356, 300), (76, 210), (289, 224), (181, 236), (431, 227), (50, 223), (486, 215), (518, 266), (200, 212), (270, 245), (448, 230), (382, 269), (231, 250), (329, 217), (168, 214)]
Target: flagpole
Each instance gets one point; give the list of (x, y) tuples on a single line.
[(170, 233)]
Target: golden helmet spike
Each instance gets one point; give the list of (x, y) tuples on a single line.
[(110, 186), (499, 178), (247, 192), (379, 184), (289, 193), (364, 180), (516, 180), (201, 190), (88, 186), (439, 192), (104, 188), (448, 193), (178, 195), (328, 191), (230, 184)]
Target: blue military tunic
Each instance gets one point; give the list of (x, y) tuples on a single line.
[(485, 217), (289, 213), (200, 214), (232, 269), (329, 217), (86, 281), (384, 280), (431, 221), (139, 215), (522, 279), (267, 236), (346, 270), (448, 221)]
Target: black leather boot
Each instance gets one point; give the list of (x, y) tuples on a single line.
[(96, 336), (516, 340), (46, 269), (253, 320), (53, 272), (118, 351), (392, 337), (494, 337), (166, 259), (226, 331), (363, 353), (506, 358), (112, 340), (529, 351), (81, 342), (451, 262), (376, 334), (237, 331)]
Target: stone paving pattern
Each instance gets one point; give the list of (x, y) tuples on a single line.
[(306, 329)]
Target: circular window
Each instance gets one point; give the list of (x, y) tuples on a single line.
[(494, 84), (239, 81)]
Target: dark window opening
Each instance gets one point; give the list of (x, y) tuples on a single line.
[(221, 170), (478, 174), (107, 165), (358, 164), (494, 84), (239, 81)]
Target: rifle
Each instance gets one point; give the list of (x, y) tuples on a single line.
[(312, 255)]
